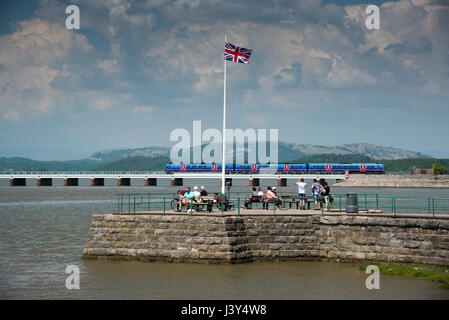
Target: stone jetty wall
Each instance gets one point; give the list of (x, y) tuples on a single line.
[(210, 239), (394, 181)]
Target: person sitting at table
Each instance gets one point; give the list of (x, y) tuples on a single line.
[(181, 194), (248, 203), (271, 195), (196, 193), (187, 198), (203, 191)]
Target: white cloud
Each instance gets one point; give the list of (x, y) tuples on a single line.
[(174, 44), (31, 58), (343, 75), (141, 110), (180, 4), (11, 115), (102, 104), (39, 42), (109, 66)]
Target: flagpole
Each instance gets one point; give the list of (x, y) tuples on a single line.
[(223, 167)]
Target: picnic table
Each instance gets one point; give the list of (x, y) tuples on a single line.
[(289, 200), (294, 199), (201, 203)]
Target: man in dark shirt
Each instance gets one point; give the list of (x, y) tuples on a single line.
[(316, 189), (203, 191), (325, 193)]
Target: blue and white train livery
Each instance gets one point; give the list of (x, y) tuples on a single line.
[(287, 168)]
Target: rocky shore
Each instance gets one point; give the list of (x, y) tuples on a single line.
[(394, 181)]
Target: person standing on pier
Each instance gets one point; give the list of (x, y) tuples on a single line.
[(316, 189), (325, 193), (302, 193)]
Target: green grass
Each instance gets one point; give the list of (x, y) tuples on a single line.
[(423, 272)]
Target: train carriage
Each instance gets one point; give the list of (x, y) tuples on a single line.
[(243, 168), (268, 168), (290, 168), (349, 167)]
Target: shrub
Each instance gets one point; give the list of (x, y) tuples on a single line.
[(438, 169)]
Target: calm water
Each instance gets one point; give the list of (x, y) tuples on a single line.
[(43, 230)]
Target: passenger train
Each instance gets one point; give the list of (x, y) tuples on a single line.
[(287, 168)]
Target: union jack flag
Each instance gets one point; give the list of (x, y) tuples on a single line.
[(236, 54)]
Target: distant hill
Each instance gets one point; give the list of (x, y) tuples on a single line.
[(390, 166), (151, 157), (370, 150), (135, 164), (24, 164), (286, 152), (337, 158), (406, 165), (114, 155)]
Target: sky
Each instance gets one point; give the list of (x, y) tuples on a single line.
[(136, 70)]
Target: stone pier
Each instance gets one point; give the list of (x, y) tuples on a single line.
[(235, 239), (282, 182), (124, 182), (71, 182), (14, 182), (97, 182), (254, 182), (176, 182), (44, 182), (150, 182)]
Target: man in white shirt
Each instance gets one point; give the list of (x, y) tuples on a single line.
[(302, 193), (196, 193)]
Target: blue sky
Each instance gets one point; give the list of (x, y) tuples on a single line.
[(136, 70)]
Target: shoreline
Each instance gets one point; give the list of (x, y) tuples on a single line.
[(432, 273), (386, 186), (394, 181)]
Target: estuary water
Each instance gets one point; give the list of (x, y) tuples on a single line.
[(43, 230)]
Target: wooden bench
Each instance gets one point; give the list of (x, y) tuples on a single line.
[(251, 200), (257, 199), (199, 203), (295, 200), (266, 202)]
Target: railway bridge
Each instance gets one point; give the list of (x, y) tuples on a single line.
[(150, 178)]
